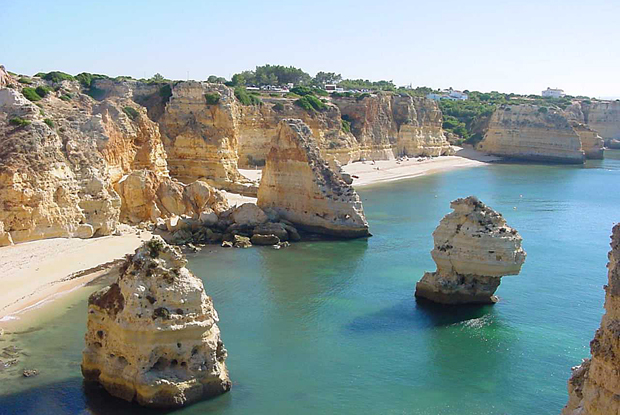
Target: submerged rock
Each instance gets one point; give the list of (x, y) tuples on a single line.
[(300, 186), (152, 335), (594, 386), (474, 248)]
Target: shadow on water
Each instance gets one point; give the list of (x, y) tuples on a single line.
[(418, 314), (75, 396)]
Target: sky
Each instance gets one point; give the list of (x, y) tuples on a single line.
[(501, 45)]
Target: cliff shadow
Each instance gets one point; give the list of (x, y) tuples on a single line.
[(412, 314), (75, 396)]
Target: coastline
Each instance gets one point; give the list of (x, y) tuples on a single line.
[(37, 273), (383, 171)]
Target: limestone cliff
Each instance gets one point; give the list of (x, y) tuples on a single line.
[(529, 132), (601, 116), (298, 184), (474, 248), (5, 78), (64, 161), (201, 139), (387, 125), (152, 335), (594, 386)]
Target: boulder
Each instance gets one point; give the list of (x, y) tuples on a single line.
[(248, 214), (270, 228), (208, 217), (258, 239), (241, 241), (152, 335), (474, 248)]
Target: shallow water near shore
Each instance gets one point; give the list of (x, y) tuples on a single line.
[(333, 327)]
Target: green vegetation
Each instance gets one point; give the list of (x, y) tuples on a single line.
[(24, 81), (362, 96), (57, 76), (216, 79), (66, 97), (543, 110), (18, 121), (86, 79), (346, 126), (271, 75), (42, 91), (311, 103), (131, 112), (31, 94), (212, 98), (366, 84), (49, 122), (306, 90), (278, 107), (245, 98), (39, 74)]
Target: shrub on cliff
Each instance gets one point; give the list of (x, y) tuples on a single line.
[(86, 79), (212, 98), (24, 81), (246, 99), (49, 122), (66, 97), (131, 112), (42, 91), (543, 110), (31, 94), (278, 107), (57, 76), (346, 126), (18, 121), (306, 90), (362, 96), (311, 103)]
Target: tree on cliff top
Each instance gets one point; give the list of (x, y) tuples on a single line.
[(271, 75)]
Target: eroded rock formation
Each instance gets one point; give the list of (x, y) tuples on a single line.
[(5, 78), (474, 248), (152, 336), (530, 132), (592, 143), (594, 386), (298, 184)]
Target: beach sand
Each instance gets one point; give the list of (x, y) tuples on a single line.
[(33, 273), (369, 172)]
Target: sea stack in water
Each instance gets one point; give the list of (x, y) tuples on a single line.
[(300, 186), (474, 248), (152, 335), (594, 387)]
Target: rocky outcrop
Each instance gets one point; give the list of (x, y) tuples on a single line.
[(298, 184), (529, 132), (474, 248), (387, 125), (5, 78), (592, 143), (152, 336), (594, 386)]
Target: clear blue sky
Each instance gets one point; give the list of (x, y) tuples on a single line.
[(504, 45)]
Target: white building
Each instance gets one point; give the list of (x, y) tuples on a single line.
[(553, 93), (449, 94)]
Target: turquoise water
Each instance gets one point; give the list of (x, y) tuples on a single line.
[(333, 327)]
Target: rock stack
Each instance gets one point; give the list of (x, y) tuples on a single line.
[(152, 335), (474, 248), (300, 187), (594, 387)]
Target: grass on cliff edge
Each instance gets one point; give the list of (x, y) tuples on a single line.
[(246, 99), (131, 112), (31, 94), (18, 121), (311, 103)]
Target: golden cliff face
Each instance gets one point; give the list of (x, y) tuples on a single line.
[(388, 125), (592, 143), (604, 117), (201, 140), (258, 125), (594, 386), (299, 185), (529, 132)]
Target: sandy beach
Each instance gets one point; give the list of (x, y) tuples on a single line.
[(382, 171), (35, 272)]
